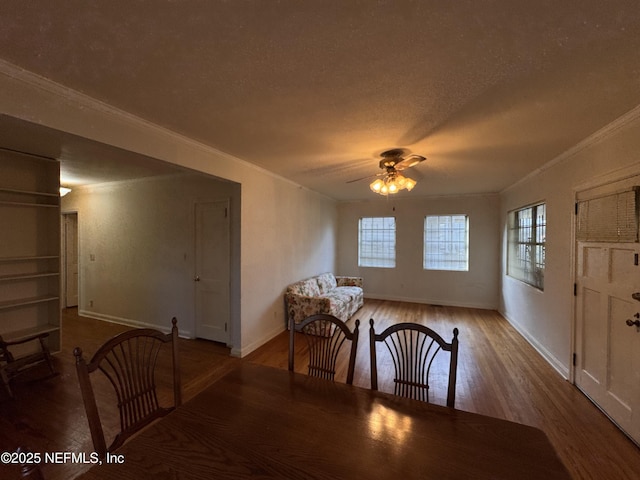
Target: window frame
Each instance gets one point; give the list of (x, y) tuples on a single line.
[(526, 252), (449, 243), (377, 254)]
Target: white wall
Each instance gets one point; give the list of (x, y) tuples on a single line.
[(546, 318), (288, 233), (409, 281), (276, 215), (136, 245)]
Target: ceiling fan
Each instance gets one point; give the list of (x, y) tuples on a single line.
[(392, 163)]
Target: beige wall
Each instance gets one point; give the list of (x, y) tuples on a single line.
[(409, 281), (136, 248), (546, 318)]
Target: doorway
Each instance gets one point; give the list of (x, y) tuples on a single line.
[(212, 270), (607, 359), (70, 259)]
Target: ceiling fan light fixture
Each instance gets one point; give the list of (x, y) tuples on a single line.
[(392, 183), (391, 180), (377, 185), (410, 184)]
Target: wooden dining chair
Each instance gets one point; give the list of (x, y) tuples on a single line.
[(30, 470), (12, 365), (413, 348), (128, 360), (325, 336)]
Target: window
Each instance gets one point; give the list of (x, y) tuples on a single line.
[(446, 242), (377, 242), (527, 232)]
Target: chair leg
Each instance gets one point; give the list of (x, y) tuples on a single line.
[(5, 381), (29, 470), (14, 367), (47, 356)]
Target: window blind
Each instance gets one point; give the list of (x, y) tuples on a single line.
[(609, 218)]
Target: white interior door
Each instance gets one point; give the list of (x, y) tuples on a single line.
[(212, 271), (70, 242), (608, 328)]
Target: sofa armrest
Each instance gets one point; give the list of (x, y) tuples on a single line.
[(300, 307), (344, 281)]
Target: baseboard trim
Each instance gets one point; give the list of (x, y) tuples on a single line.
[(133, 323), (557, 365), (426, 301), (247, 349)]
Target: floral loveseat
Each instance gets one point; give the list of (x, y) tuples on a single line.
[(326, 293)]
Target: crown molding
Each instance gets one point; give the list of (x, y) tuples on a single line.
[(600, 135)]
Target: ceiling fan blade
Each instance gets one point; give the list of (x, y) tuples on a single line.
[(409, 161), (364, 178)]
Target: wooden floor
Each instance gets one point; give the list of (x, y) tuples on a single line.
[(499, 374)]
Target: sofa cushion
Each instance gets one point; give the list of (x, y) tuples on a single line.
[(339, 304), (351, 292), (326, 282), (307, 288), (342, 300)]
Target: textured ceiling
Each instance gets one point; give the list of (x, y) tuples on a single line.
[(488, 91)]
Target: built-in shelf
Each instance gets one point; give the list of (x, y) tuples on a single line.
[(27, 192), (10, 197), (20, 302), (30, 258), (27, 276), (24, 204)]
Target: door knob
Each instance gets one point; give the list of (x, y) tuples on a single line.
[(635, 322), (197, 279), (636, 296)]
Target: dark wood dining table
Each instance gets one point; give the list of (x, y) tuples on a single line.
[(262, 422)]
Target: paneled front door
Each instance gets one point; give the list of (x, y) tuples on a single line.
[(608, 315)]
